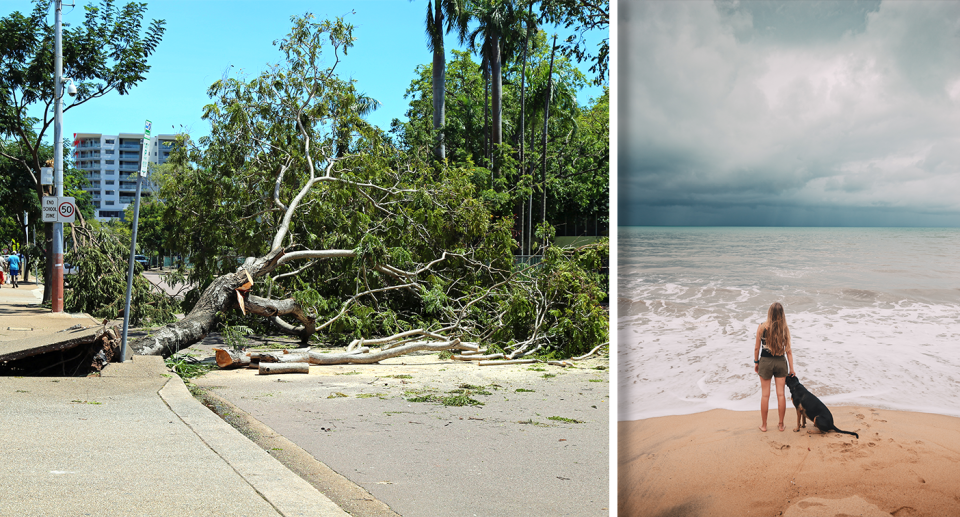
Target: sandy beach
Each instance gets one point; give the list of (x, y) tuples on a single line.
[(718, 463)]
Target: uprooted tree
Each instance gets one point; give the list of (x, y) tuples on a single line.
[(371, 243)]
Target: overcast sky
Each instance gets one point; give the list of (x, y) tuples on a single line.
[(789, 113)]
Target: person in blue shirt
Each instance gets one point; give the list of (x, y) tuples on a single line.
[(14, 262)]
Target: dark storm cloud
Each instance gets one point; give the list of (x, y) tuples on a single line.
[(825, 113)]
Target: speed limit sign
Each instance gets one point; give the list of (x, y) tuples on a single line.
[(66, 210)]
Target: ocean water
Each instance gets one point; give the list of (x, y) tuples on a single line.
[(874, 315)]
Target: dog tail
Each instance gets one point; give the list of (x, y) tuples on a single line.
[(846, 432)]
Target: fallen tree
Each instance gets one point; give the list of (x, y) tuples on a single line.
[(346, 239)]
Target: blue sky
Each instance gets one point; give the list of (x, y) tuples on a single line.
[(207, 38)]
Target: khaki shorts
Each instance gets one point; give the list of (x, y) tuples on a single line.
[(773, 367)]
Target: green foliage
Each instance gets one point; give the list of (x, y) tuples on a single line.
[(99, 286), (235, 336), (564, 293), (564, 420), (107, 52), (188, 367), (421, 244), (583, 16)]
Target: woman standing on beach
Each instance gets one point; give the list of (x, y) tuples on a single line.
[(772, 357)]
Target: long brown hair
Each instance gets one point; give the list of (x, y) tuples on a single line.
[(778, 334)]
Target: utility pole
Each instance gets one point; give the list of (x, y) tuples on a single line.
[(56, 293)]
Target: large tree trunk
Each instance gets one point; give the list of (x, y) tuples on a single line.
[(201, 320), (496, 94), (439, 88)]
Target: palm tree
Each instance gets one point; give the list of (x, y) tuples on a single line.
[(500, 34), (454, 12), (354, 108)]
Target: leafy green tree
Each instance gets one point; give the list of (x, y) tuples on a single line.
[(577, 155), (376, 242), (152, 233), (498, 36), (17, 196), (583, 16), (107, 52), (99, 285)]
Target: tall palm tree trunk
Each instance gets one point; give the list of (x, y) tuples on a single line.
[(546, 119), (439, 88), (528, 223), (486, 112), (496, 92)]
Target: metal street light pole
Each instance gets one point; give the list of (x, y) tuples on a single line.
[(56, 292)]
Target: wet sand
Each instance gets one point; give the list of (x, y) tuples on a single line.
[(718, 463)]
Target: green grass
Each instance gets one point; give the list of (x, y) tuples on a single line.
[(402, 376), (524, 390), (336, 395), (564, 419), (549, 375), (350, 373), (371, 395), (595, 380)]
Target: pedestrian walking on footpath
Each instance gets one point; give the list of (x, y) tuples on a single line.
[(14, 262)]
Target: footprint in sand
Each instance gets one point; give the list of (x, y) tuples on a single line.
[(779, 446), (861, 417)]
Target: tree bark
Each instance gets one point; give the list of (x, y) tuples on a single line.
[(496, 94), (439, 86), (195, 326), (268, 368)]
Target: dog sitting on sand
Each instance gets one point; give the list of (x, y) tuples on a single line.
[(809, 406)]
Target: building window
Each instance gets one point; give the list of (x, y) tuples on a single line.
[(111, 182), (110, 193), (108, 151), (109, 202), (108, 141), (109, 162)]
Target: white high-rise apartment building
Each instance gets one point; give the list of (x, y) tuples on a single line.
[(111, 164)]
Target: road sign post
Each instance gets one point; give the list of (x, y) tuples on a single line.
[(133, 238)]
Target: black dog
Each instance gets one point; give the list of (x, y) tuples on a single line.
[(809, 406)]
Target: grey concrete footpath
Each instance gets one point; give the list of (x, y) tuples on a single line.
[(131, 442)]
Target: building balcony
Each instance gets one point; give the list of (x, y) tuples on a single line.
[(129, 168), (130, 146), (89, 145), (92, 177)]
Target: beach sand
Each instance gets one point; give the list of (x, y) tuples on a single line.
[(718, 463)]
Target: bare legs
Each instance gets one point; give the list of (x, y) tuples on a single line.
[(781, 398), (765, 401)]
